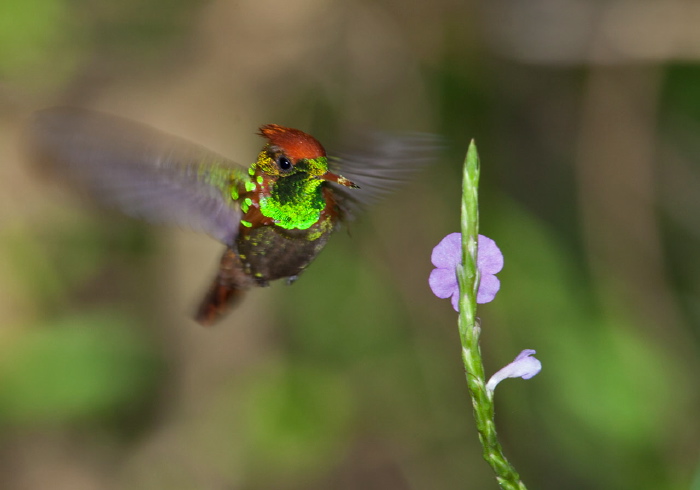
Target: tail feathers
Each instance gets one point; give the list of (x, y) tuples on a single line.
[(218, 301), (227, 290)]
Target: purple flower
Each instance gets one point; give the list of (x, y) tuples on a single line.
[(448, 254), (524, 366)]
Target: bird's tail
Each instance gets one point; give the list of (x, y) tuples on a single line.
[(227, 289)]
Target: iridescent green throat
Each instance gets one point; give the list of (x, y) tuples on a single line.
[(295, 201)]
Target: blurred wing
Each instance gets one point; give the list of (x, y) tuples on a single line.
[(379, 163), (145, 173)]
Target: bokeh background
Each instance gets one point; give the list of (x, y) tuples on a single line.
[(587, 118)]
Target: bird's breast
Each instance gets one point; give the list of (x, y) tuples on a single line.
[(273, 252)]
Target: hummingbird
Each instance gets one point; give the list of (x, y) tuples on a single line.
[(273, 218)]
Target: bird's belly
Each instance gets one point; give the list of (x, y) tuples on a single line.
[(271, 252)]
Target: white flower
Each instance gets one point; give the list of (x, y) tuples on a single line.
[(524, 366)]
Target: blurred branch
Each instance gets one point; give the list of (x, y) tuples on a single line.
[(615, 167), (581, 32)]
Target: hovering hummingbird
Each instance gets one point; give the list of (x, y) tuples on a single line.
[(274, 217)]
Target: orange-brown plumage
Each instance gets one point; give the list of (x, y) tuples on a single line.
[(296, 144)]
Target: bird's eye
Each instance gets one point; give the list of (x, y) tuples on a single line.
[(284, 163)]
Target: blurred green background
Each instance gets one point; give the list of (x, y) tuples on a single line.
[(587, 117)]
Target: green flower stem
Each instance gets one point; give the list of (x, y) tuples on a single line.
[(469, 329)]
